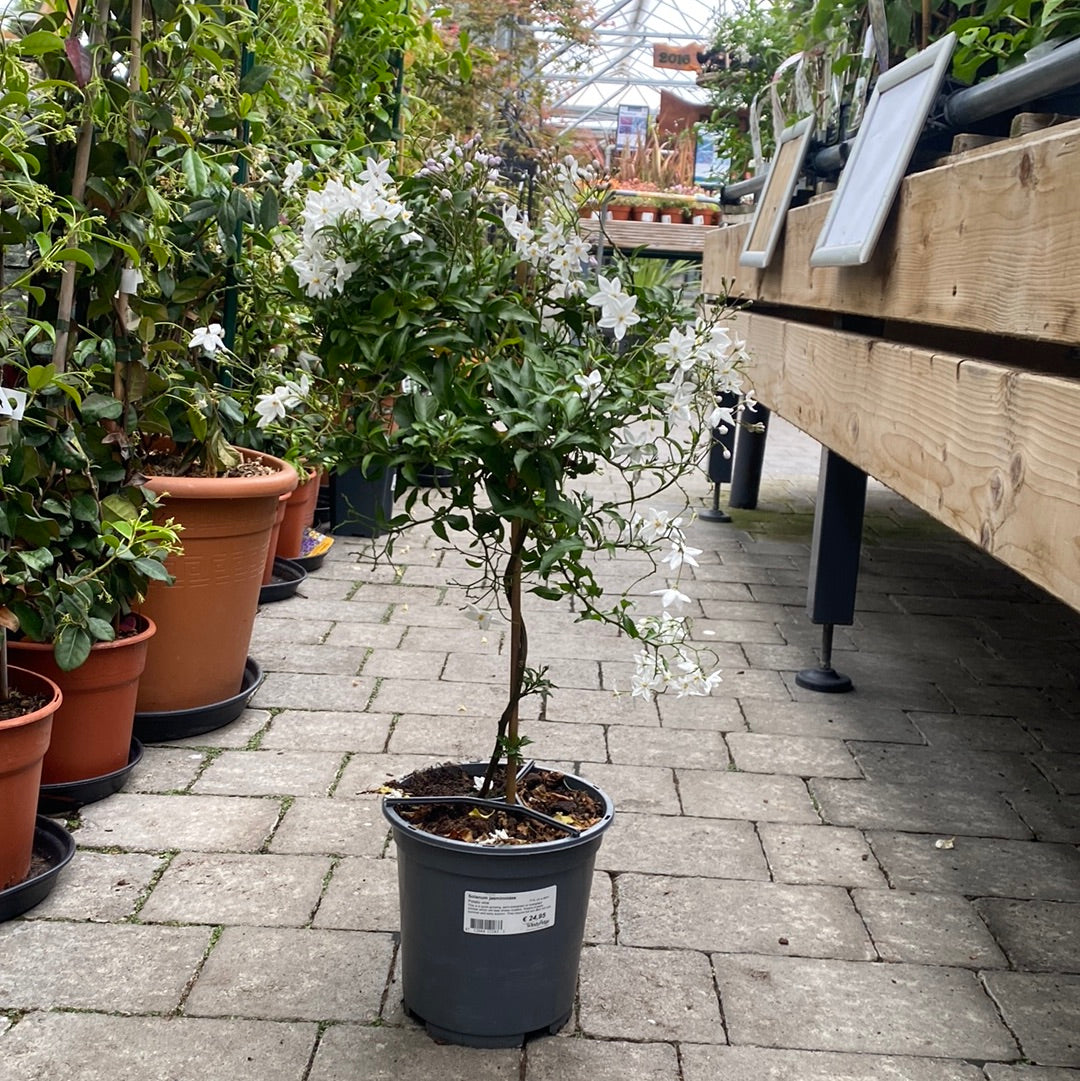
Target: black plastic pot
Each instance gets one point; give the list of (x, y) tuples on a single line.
[(360, 502), (491, 936)]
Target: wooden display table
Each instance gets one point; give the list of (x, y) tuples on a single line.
[(948, 367)]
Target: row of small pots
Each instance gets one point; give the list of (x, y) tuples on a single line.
[(670, 215)]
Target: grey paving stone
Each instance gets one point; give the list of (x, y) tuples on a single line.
[(313, 730), (270, 633), (293, 690), (803, 756), (359, 636), (98, 1047), (340, 827), (740, 917), (668, 994), (435, 698), (849, 1006), (637, 789), (357, 611), (683, 748), (568, 1059), (286, 974), (710, 1063), (1036, 935), (978, 866), (720, 712), (350, 1052), (234, 888), (963, 732), (572, 705), (399, 663), (966, 809), (99, 886), (842, 719), (162, 823), (270, 773), (166, 769), (754, 796), (927, 929), (907, 694), (1063, 771), (600, 918), (1000, 1072), (739, 630), (1043, 1011), (121, 968), (822, 855), (362, 896), (997, 771), (321, 658), (671, 845), (470, 738)]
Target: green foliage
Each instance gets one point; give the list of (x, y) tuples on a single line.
[(76, 551)]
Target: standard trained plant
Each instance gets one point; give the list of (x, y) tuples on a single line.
[(520, 368)]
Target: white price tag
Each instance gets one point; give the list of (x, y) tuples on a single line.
[(509, 913)]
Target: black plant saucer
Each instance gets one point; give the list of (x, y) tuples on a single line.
[(181, 723), (288, 577), (309, 563), (54, 847), (57, 799)]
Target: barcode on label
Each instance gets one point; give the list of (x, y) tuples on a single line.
[(485, 925)]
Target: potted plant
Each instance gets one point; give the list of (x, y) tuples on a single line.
[(78, 550), (519, 369)]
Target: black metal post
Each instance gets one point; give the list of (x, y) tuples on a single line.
[(749, 457), (834, 562)]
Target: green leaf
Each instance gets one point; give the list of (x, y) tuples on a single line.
[(41, 42), (71, 647), (196, 173), (38, 560), (256, 78), (152, 569), (101, 407), (84, 507), (101, 629)]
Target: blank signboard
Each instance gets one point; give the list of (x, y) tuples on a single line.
[(775, 197), (890, 129)]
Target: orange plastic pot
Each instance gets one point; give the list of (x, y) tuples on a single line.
[(205, 619), (671, 215), (91, 734), (23, 742), (275, 533), (618, 211), (299, 515), (646, 214)]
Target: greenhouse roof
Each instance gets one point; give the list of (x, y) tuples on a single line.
[(628, 63)]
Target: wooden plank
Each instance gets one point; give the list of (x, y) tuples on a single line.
[(678, 239), (988, 242), (987, 449)]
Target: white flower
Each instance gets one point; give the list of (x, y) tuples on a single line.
[(608, 291), (590, 387), (635, 447), (293, 172), (619, 316), (656, 525), (272, 406), (210, 339), (480, 616), (681, 554), (651, 676), (670, 597)]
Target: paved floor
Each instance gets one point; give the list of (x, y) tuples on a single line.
[(879, 885)]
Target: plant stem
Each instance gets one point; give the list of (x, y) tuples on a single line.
[(65, 302)]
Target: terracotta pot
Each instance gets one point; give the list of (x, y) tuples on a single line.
[(23, 742), (91, 733), (275, 533), (702, 216), (646, 213), (299, 515), (671, 215), (205, 619), (618, 211)]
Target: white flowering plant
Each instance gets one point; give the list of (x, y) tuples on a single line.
[(518, 365)]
